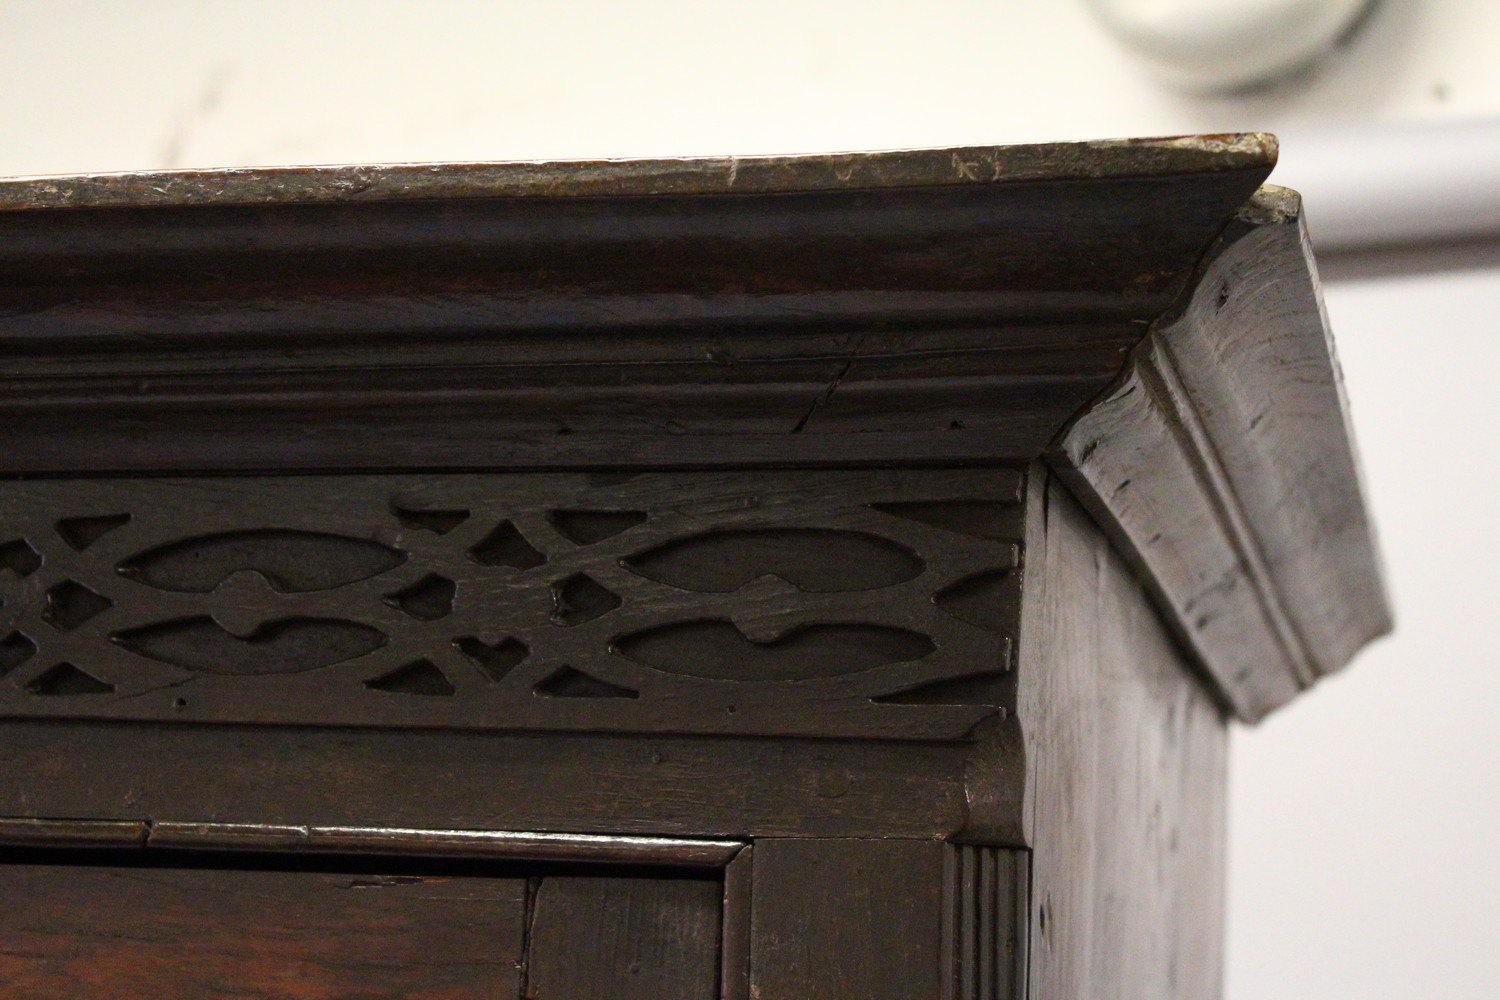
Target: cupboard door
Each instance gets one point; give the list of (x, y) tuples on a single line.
[(122, 933), (297, 929)]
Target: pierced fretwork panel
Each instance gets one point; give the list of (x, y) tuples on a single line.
[(879, 604)]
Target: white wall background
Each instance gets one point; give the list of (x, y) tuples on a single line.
[(1363, 817)]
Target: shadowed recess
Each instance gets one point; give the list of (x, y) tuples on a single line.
[(585, 527), (286, 646), (580, 599), (716, 649), (975, 518), (439, 522), (429, 599), (291, 561), (419, 677), (971, 689), (70, 604), (81, 532), (811, 559), (66, 679), (493, 661), (989, 600), (570, 683), (20, 558), (15, 649), (506, 546)]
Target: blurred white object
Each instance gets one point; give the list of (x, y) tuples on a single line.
[(1225, 45), (1396, 184)]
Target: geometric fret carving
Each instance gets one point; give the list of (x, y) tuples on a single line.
[(811, 560), (874, 604), (289, 645), (19, 557), (494, 660), (715, 648), (290, 561), (81, 532)]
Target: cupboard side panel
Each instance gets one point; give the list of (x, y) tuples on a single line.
[(1126, 758)]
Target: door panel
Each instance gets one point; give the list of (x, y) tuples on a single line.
[(101, 926), (121, 932)]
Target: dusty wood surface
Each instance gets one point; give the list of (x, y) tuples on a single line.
[(119, 933), (957, 166), (1223, 465), (1125, 791)]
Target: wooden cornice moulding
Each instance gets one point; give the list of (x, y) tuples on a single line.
[(930, 306), (1140, 314), (1221, 463)]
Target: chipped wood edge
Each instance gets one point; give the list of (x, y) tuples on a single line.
[(1222, 465), (492, 844)]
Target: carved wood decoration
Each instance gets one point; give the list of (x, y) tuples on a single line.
[(664, 520), (859, 603)]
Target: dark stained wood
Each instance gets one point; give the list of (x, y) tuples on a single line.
[(637, 512), (33, 832), (1222, 464), (798, 603), (734, 965), (1125, 778), (495, 844), (946, 306), (624, 939), (687, 787), (985, 923), (118, 933), (834, 919)]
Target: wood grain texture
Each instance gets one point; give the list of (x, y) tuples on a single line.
[(1125, 781), (690, 787), (1223, 465), (117, 933), (936, 306), (624, 939), (739, 887), (834, 919)]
